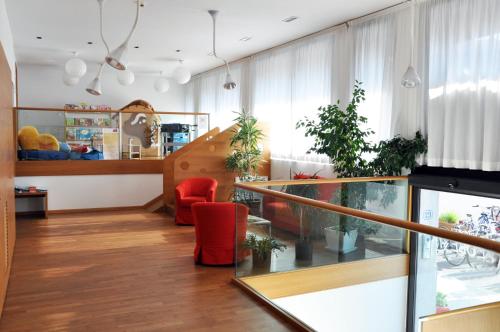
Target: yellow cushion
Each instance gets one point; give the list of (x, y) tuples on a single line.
[(28, 138), (48, 142)]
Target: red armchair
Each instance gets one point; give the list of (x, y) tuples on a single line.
[(215, 225), (191, 191)]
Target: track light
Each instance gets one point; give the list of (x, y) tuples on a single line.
[(117, 58), (95, 87)]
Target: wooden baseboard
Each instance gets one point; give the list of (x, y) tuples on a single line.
[(105, 209)]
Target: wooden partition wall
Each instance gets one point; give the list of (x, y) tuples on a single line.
[(7, 162), (205, 157)]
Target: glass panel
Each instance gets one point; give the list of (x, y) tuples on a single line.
[(388, 198), (98, 134), (280, 235), (60, 135), (305, 236), (453, 275)]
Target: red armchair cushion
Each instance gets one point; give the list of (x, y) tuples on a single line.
[(216, 224), (192, 191)]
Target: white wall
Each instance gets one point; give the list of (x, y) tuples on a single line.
[(6, 39), (378, 306), (42, 86), (92, 191)]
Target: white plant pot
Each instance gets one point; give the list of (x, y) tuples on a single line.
[(333, 240)]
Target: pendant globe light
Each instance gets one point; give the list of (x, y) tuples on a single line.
[(75, 67), (181, 74), (125, 77), (70, 80), (229, 83), (117, 58), (162, 84), (95, 87), (410, 78)]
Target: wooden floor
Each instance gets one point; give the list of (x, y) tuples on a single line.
[(130, 271)]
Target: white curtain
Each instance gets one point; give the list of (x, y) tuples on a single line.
[(374, 49), (205, 94), (463, 111), (288, 84), (456, 53)]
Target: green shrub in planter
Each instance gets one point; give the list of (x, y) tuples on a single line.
[(449, 217)]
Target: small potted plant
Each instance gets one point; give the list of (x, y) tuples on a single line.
[(448, 219), (262, 250), (342, 235), (441, 303)]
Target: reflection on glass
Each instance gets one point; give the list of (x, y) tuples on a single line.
[(388, 198), (310, 236)]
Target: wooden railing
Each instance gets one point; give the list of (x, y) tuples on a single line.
[(260, 187)]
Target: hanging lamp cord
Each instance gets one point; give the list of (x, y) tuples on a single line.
[(135, 22), (213, 43)]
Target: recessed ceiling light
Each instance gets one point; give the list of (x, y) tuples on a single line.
[(246, 38), (38, 37), (136, 46), (290, 19), (90, 43), (177, 51)]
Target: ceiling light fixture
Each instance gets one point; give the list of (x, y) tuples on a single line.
[(125, 77), (75, 67), (246, 38), (162, 84), (410, 78), (181, 74), (229, 83), (95, 87), (38, 37), (70, 80), (290, 19), (116, 59)]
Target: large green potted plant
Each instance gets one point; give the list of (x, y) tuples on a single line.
[(245, 143), (338, 133), (262, 250), (245, 156)]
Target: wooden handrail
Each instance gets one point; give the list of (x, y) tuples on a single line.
[(51, 109), (369, 216), (318, 181)]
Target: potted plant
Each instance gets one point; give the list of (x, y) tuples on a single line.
[(262, 250), (448, 220), (306, 215), (338, 133), (441, 303), (245, 156)]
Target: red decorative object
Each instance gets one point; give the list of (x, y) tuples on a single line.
[(191, 191), (215, 225)]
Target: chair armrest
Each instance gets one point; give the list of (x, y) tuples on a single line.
[(180, 192), (211, 195)]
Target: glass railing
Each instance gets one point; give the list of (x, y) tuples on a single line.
[(100, 133), (327, 252)]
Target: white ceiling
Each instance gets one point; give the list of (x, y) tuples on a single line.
[(168, 25)]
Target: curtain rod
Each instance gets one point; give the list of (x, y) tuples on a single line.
[(313, 34)]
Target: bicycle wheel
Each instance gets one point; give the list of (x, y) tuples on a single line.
[(455, 254)]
